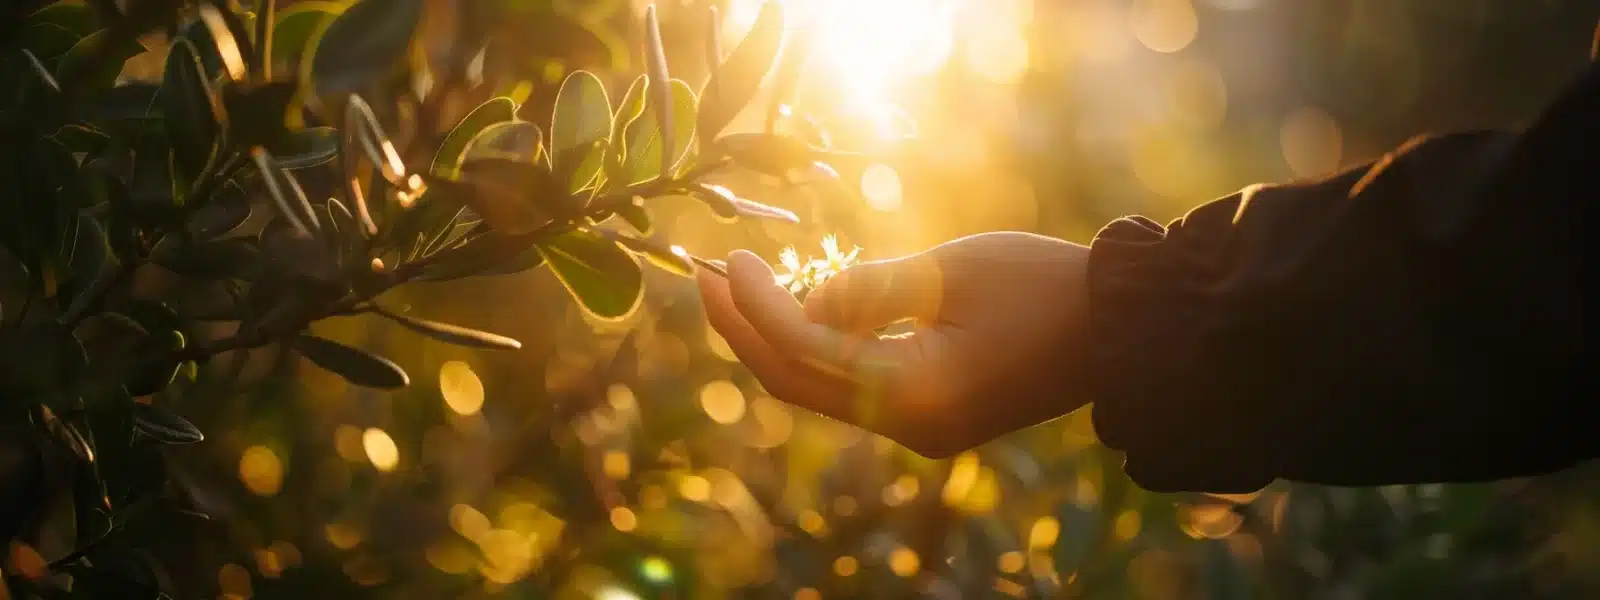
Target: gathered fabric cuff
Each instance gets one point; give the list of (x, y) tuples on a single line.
[(1154, 313)]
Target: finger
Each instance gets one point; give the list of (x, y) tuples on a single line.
[(870, 295), (785, 379), (780, 320)]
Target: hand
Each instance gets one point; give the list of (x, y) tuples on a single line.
[(997, 345)]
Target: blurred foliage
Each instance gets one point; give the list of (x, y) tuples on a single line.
[(622, 452)]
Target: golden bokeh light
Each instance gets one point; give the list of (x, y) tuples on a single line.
[(469, 522), (807, 594), (1044, 533), (722, 401), (1127, 525), (1311, 140), (623, 519), (901, 491), (1165, 26), (846, 566), (880, 185), (261, 471), (342, 536), (381, 449), (811, 522), (774, 420), (844, 506), (450, 556), (347, 442), (615, 464), (694, 488), (234, 580), (507, 556), (461, 388), (904, 562), (1011, 562)]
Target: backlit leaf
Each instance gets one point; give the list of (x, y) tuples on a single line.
[(453, 334), (582, 118), (163, 426), (736, 81), (605, 279), (496, 110), (355, 365), (362, 44), (191, 113)]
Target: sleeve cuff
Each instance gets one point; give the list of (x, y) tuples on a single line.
[(1153, 309)]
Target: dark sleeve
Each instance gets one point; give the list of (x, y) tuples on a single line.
[(1424, 318)]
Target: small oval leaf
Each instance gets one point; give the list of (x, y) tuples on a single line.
[(447, 160), (605, 279), (736, 81), (297, 25), (355, 365), (163, 426), (189, 110), (582, 117), (453, 334), (310, 147), (670, 258), (362, 44)]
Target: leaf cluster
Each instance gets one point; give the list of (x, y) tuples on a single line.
[(286, 167)]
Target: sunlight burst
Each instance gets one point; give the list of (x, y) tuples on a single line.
[(867, 47)]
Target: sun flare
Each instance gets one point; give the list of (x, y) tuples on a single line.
[(866, 48)]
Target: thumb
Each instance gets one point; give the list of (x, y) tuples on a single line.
[(869, 295)]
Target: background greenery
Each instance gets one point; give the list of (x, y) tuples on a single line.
[(635, 458)]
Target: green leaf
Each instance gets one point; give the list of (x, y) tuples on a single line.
[(78, 69), (191, 113), (644, 145), (297, 25), (736, 81), (492, 253), (234, 257), (211, 47), (265, 21), (156, 375), (669, 258), (132, 102), (285, 192), (73, 17), (513, 197), (772, 154), (582, 118), (604, 278), (163, 426), (729, 206), (786, 79), (355, 365), (310, 147), (636, 216), (91, 252), (47, 41), (713, 39), (447, 161), (82, 138), (453, 334), (515, 140), (630, 109), (257, 111), (661, 98), (363, 44), (228, 208)]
